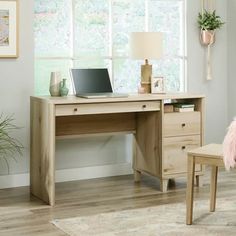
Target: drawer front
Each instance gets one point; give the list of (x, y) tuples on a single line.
[(175, 153), (105, 108), (181, 123)]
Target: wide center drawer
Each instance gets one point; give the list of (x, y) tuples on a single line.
[(185, 123), (105, 108)]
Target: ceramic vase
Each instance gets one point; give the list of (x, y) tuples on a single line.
[(55, 81), (63, 89)]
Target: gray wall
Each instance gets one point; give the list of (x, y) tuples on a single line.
[(17, 78), (231, 59), (16, 85), (215, 90)]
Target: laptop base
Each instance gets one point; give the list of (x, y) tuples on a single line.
[(102, 95)]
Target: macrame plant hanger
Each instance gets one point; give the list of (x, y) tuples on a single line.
[(207, 38)]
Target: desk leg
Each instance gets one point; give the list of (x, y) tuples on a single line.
[(137, 176), (164, 185), (42, 151), (190, 190)]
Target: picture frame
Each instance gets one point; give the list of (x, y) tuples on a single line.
[(157, 84), (9, 28)]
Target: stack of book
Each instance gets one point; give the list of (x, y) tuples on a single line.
[(179, 107)]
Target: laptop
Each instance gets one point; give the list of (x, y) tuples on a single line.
[(93, 83)]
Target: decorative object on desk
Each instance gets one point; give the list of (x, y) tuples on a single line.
[(183, 107), (168, 108), (55, 84), (8, 29), (63, 89), (208, 22), (146, 45), (8, 145), (157, 84)]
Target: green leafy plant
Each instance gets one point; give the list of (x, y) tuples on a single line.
[(209, 21), (9, 146)]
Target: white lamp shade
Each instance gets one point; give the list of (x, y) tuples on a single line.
[(146, 45)]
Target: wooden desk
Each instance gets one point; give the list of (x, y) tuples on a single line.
[(160, 139)]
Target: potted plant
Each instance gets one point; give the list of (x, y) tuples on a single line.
[(208, 22), (9, 146)]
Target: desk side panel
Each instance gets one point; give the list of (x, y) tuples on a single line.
[(148, 145), (42, 150), (200, 106)]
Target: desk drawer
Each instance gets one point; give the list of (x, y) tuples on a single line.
[(105, 108), (185, 123), (175, 153)]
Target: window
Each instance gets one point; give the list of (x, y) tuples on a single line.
[(95, 33)]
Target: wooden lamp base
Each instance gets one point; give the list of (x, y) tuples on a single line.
[(146, 74), (146, 86)]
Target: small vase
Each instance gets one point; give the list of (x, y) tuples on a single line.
[(63, 89), (55, 80)]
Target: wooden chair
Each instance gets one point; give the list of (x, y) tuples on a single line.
[(206, 155)]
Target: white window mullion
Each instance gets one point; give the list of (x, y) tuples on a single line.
[(183, 69), (72, 31), (184, 23), (111, 42), (146, 26)]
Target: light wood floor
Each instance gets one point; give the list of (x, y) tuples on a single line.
[(21, 214)]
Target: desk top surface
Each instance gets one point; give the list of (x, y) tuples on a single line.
[(132, 97)]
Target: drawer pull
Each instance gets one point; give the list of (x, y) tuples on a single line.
[(75, 109), (183, 125), (183, 147), (144, 106)]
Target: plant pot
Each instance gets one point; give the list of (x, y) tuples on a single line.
[(207, 37)]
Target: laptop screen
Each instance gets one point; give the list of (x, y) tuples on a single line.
[(91, 81)]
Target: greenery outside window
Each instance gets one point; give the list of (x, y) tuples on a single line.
[(95, 33)]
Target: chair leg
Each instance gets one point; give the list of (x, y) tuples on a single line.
[(199, 181), (189, 190), (214, 172)]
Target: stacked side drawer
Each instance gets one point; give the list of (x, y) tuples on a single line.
[(181, 132)]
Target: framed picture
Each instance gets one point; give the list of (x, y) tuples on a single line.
[(8, 28), (157, 85)]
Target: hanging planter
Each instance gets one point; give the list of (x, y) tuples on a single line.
[(208, 22)]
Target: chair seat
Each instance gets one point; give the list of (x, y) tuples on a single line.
[(212, 150)]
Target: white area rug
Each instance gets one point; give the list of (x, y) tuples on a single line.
[(160, 220)]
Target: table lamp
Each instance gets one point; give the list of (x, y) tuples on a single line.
[(146, 45)]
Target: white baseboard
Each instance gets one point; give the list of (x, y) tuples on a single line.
[(18, 180)]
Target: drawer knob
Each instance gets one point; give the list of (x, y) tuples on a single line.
[(183, 147), (144, 106), (75, 109), (183, 125)]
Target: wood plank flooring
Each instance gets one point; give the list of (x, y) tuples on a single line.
[(21, 214)]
